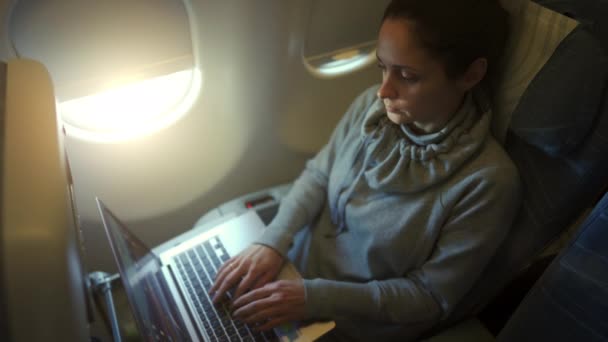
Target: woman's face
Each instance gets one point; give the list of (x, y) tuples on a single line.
[(415, 89)]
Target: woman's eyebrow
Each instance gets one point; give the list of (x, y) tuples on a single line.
[(396, 66)]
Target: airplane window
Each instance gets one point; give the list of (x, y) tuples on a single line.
[(341, 36), (131, 110), (121, 69)]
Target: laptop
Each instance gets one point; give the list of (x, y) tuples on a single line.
[(167, 289)]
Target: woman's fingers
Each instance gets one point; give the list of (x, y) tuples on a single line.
[(251, 269), (222, 272), (240, 278), (229, 263), (231, 279), (245, 284), (267, 313), (263, 280), (271, 304), (258, 310), (253, 281), (251, 296)]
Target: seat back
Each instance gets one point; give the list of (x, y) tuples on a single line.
[(570, 301), (42, 287), (558, 138)]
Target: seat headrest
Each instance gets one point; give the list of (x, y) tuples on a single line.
[(560, 105), (536, 32)]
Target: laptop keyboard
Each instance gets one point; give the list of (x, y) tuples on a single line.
[(198, 267)]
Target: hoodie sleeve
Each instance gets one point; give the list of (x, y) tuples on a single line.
[(476, 226), (308, 194)]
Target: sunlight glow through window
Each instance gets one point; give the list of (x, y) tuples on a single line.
[(132, 110)]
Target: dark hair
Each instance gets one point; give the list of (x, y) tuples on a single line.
[(456, 32)]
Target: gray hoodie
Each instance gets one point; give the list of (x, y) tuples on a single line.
[(390, 229)]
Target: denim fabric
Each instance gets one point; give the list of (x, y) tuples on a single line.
[(570, 300)]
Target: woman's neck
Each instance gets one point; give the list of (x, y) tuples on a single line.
[(435, 126)]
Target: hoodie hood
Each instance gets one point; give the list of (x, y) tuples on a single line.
[(399, 160)]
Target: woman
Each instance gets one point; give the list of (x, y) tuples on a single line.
[(395, 218)]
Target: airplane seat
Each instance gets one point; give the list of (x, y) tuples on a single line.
[(43, 295), (570, 301)]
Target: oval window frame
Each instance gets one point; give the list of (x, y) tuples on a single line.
[(145, 125), (341, 62)]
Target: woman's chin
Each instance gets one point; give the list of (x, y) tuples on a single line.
[(398, 119)]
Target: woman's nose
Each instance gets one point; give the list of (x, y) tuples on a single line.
[(387, 90)]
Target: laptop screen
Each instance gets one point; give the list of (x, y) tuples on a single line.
[(151, 301)]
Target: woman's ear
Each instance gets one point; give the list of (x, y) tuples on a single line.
[(474, 74)]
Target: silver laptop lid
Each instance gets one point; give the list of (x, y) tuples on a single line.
[(151, 301)]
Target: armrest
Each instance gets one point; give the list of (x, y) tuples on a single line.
[(469, 330), (265, 202)]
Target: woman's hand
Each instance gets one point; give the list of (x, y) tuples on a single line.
[(271, 305), (251, 269)]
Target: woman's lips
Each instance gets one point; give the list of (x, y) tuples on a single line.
[(392, 110)]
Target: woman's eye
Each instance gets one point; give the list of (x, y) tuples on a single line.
[(408, 76)]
